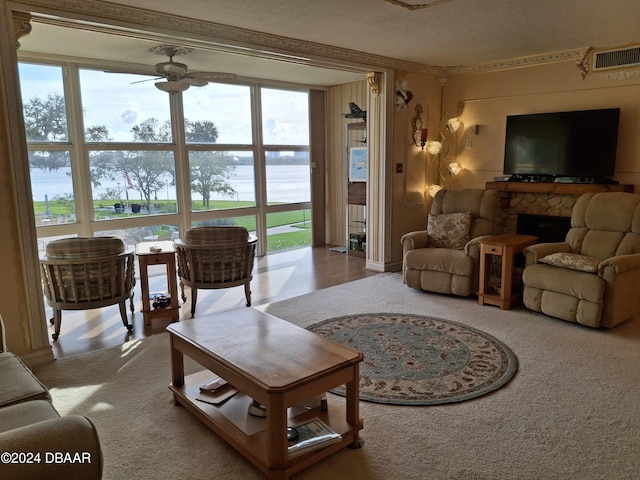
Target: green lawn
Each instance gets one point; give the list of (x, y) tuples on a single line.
[(300, 219)]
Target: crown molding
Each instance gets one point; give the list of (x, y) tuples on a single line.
[(620, 74), (416, 6), (94, 14), (575, 55)]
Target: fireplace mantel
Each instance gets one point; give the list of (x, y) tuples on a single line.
[(505, 189)]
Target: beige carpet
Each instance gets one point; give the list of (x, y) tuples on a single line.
[(571, 412)]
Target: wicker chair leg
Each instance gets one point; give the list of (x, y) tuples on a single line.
[(57, 321), (123, 314), (247, 293), (184, 297), (131, 307), (194, 298)]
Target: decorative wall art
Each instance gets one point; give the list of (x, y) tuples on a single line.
[(358, 164)]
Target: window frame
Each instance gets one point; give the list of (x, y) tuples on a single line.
[(79, 149)]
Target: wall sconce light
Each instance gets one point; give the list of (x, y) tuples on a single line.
[(433, 189), (423, 137), (454, 168), (440, 149), (454, 124), (434, 147), (416, 124)]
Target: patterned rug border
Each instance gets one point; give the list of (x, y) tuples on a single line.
[(506, 376)]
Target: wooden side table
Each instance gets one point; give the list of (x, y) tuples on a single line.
[(166, 256), (506, 246)]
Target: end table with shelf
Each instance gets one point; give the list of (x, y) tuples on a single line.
[(148, 255), (506, 246)]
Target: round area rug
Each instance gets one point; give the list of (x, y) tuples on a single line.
[(419, 360)]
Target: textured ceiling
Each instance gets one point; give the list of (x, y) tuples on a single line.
[(454, 32), (442, 33)]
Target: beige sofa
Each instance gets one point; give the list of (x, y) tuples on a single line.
[(445, 257), (36, 443), (592, 277)]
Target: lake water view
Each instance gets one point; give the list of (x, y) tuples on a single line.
[(285, 184)]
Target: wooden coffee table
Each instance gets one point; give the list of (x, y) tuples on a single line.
[(275, 363)]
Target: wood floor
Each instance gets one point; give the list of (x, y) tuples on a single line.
[(276, 277)]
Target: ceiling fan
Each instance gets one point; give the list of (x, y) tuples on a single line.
[(177, 75)]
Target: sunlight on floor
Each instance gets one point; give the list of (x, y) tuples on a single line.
[(74, 397)]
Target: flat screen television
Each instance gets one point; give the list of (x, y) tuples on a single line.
[(580, 145)]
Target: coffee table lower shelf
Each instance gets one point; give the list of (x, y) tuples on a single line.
[(254, 446)]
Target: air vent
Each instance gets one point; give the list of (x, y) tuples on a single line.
[(622, 57)]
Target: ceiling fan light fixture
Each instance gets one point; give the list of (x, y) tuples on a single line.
[(172, 86), (177, 69)]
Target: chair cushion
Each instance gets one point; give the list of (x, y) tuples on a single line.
[(581, 285), (445, 260), (18, 383), (26, 413), (573, 261), (82, 247), (448, 230)]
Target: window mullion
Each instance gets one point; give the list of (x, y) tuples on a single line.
[(260, 170), (80, 171), (183, 175)]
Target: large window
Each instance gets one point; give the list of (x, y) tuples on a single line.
[(111, 154), (132, 182), (49, 147), (226, 107), (285, 135), (119, 107)]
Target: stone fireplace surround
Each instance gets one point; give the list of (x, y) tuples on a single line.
[(546, 227), (533, 204), (544, 199)]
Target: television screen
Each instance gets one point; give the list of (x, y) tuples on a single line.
[(562, 144)]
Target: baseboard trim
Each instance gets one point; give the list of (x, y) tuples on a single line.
[(42, 356), (384, 267)]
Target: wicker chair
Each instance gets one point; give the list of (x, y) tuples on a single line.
[(85, 273), (215, 257)]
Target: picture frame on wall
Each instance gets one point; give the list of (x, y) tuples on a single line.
[(358, 164)]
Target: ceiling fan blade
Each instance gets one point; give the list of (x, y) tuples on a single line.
[(194, 82), (212, 76), (134, 70), (146, 80)]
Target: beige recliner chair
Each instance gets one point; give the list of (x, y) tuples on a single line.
[(445, 257), (592, 277)]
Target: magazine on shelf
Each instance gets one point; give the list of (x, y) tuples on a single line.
[(214, 385), (312, 435), (216, 391)]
